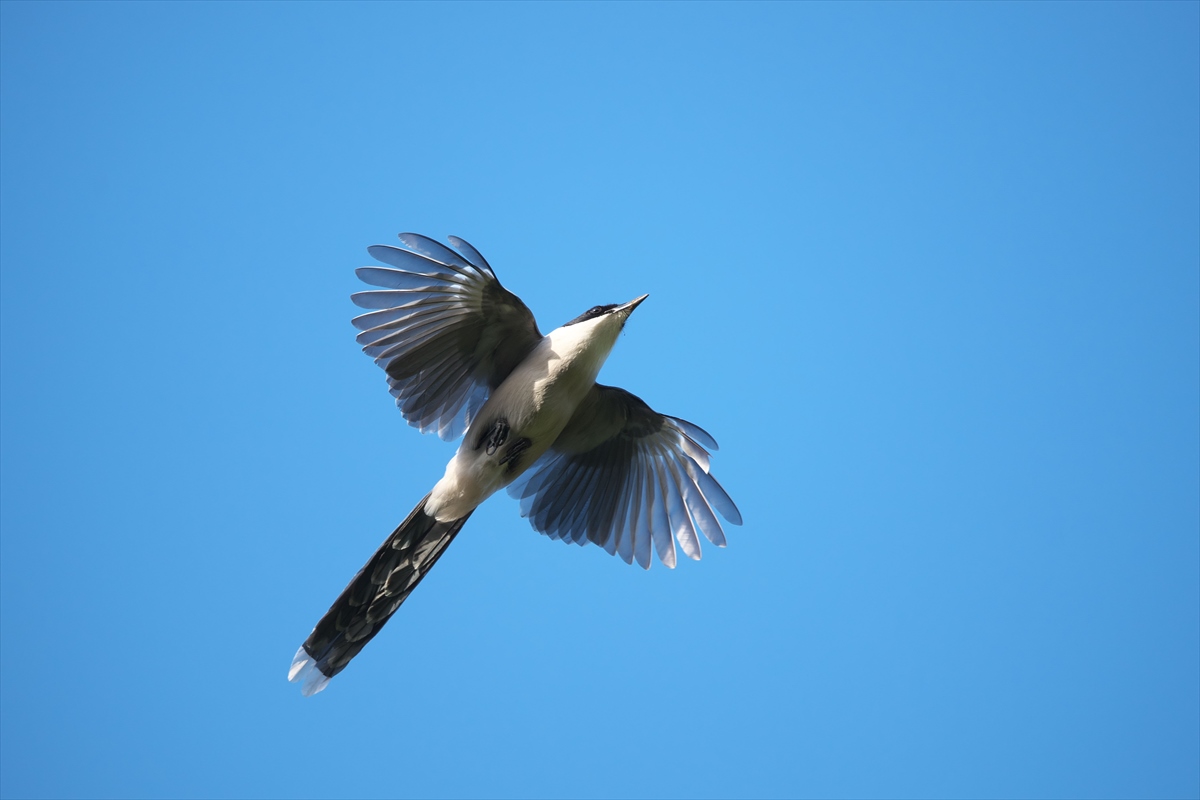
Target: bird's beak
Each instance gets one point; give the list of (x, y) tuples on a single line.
[(628, 308)]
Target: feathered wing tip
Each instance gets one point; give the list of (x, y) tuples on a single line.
[(304, 670), (472, 255)]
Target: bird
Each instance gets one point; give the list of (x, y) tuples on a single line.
[(589, 463)]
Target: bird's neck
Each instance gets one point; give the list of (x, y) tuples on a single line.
[(582, 349)]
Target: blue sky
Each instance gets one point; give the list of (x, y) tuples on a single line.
[(930, 274)]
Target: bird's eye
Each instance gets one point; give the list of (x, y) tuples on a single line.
[(592, 313)]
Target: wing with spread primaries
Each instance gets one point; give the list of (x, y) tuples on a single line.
[(623, 476), (443, 328)]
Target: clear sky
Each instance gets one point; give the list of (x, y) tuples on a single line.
[(929, 273)]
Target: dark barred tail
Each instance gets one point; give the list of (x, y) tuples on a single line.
[(365, 606)]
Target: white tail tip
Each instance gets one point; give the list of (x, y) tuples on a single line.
[(304, 669)]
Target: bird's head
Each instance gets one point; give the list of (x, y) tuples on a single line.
[(605, 316), (593, 333)]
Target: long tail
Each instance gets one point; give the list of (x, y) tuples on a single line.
[(369, 601)]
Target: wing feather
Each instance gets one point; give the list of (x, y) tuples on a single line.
[(681, 521), (471, 254), (437, 251), (695, 433), (384, 317), (660, 528), (606, 503), (625, 520), (640, 531)]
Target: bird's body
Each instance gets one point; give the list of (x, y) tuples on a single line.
[(589, 462), (536, 402)]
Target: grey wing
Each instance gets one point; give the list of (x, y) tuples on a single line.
[(624, 477), (445, 330)]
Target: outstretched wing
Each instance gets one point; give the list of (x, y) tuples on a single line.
[(445, 330), (622, 475)]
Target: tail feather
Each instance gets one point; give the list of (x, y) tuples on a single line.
[(370, 599)]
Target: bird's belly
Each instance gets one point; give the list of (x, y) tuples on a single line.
[(470, 479), (533, 409), (477, 472)]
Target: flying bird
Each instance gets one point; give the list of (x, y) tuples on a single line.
[(588, 462)]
